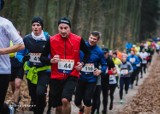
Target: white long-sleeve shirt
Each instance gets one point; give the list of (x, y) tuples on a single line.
[(143, 56), (7, 33)]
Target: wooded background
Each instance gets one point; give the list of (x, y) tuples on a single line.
[(117, 20)]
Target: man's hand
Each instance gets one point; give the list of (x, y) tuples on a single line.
[(97, 72), (125, 73), (55, 59), (26, 58), (79, 66)]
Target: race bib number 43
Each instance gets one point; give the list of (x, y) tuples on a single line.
[(34, 57), (65, 65), (88, 68)]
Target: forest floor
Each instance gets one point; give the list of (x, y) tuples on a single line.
[(142, 99)]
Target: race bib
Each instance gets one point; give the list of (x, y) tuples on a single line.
[(88, 68), (124, 71), (132, 60), (112, 79), (65, 65), (35, 57), (138, 65), (144, 61)]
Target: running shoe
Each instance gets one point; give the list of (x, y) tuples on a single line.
[(11, 108), (121, 101), (48, 112), (104, 112), (81, 111), (131, 86)]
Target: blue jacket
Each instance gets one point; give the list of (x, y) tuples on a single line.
[(97, 58), (135, 61), (128, 45)]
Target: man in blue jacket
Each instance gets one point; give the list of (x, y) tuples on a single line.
[(89, 73)]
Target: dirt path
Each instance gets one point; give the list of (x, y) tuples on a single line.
[(117, 107)]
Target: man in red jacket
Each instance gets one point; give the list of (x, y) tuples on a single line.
[(64, 48)]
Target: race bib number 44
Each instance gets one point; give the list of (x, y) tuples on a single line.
[(88, 68), (65, 65), (35, 57)]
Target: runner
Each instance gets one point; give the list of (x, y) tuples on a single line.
[(89, 73), (133, 59), (17, 73), (115, 59), (128, 47), (125, 72), (105, 79), (150, 52), (139, 67), (65, 59), (7, 33), (37, 73), (117, 62), (113, 82), (143, 56), (157, 48), (119, 54), (141, 47)]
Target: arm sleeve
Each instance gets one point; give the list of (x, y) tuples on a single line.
[(103, 64), (12, 34), (20, 55), (85, 50), (137, 60), (46, 51), (130, 68)]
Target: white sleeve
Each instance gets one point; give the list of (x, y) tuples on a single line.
[(12, 34)]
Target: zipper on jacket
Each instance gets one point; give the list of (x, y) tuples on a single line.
[(65, 53)]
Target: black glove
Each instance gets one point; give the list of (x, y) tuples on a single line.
[(26, 58)]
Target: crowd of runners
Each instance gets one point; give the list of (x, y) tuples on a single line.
[(67, 65)]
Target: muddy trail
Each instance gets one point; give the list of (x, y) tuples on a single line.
[(142, 99)]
